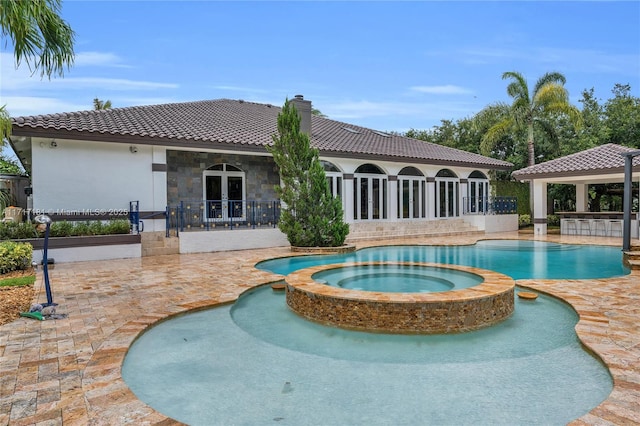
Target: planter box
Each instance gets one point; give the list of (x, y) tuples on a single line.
[(96, 247)]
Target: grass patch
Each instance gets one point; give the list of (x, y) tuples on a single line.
[(17, 281)]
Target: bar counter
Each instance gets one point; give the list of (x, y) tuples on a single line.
[(604, 224)]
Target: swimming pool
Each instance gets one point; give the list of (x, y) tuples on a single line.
[(519, 259), (256, 362)]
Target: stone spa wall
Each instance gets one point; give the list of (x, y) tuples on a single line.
[(453, 311)]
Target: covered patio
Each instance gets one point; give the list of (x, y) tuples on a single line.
[(599, 165)]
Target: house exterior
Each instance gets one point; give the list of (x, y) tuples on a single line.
[(205, 166)]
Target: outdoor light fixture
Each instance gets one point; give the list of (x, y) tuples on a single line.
[(44, 224), (53, 144), (133, 149)]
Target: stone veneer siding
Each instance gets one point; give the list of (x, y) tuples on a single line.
[(184, 174), (403, 313)]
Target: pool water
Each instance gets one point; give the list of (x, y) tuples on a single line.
[(397, 278), (518, 259), (255, 362)]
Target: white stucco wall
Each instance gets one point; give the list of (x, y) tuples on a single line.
[(493, 222), (81, 254), (237, 239), (98, 177)]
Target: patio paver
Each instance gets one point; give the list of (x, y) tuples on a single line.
[(68, 371)]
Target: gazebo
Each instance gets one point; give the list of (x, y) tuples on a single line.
[(602, 164)]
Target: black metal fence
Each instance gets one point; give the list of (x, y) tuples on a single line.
[(490, 205), (209, 215)]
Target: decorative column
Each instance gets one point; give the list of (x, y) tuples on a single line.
[(540, 207), (348, 197), (159, 176), (393, 198), (431, 198)]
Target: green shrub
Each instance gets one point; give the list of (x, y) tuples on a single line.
[(80, 228), (524, 220), (64, 228), (553, 220), (118, 226), (61, 229), (15, 256), (96, 228), (17, 231)]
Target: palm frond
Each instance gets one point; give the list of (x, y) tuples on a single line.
[(550, 77), (494, 134)]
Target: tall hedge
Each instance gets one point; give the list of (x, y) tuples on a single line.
[(311, 216), (519, 190)]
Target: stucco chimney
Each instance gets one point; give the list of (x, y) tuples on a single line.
[(304, 110)]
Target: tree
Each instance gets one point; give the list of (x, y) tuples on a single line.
[(318, 113), (310, 215), (40, 37), (622, 117), (529, 112), (98, 104)]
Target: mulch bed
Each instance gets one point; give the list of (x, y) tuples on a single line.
[(15, 299)]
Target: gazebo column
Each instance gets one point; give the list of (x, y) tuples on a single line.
[(582, 195), (540, 207)]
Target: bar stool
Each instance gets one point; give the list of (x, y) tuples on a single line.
[(615, 226), (570, 225), (599, 227), (584, 225)]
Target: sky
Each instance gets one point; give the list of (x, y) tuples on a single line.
[(389, 66)]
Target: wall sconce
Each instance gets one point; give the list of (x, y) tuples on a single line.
[(53, 144), (133, 149)]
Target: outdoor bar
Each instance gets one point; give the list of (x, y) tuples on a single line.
[(603, 224)]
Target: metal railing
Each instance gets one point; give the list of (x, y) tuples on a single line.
[(209, 215), (489, 205)]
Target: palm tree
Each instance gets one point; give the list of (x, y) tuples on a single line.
[(528, 111), (98, 104), (40, 37)]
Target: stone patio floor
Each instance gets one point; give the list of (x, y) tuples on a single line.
[(68, 371)]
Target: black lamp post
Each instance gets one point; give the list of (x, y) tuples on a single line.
[(45, 221)]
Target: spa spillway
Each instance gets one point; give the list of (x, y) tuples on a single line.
[(425, 310)]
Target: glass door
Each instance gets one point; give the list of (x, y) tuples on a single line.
[(224, 193)]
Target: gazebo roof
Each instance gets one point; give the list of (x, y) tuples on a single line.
[(604, 163)]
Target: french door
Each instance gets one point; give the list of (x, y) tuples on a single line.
[(447, 197), (224, 195), (411, 197), (370, 197)]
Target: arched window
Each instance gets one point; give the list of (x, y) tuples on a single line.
[(334, 177), (369, 193), (477, 193), (447, 193), (411, 194), (224, 188)]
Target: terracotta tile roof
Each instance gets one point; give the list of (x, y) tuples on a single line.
[(603, 159), (237, 125)]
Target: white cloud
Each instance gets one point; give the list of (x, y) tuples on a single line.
[(447, 89), (34, 105), (112, 83), (350, 110), (20, 79), (102, 59)]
